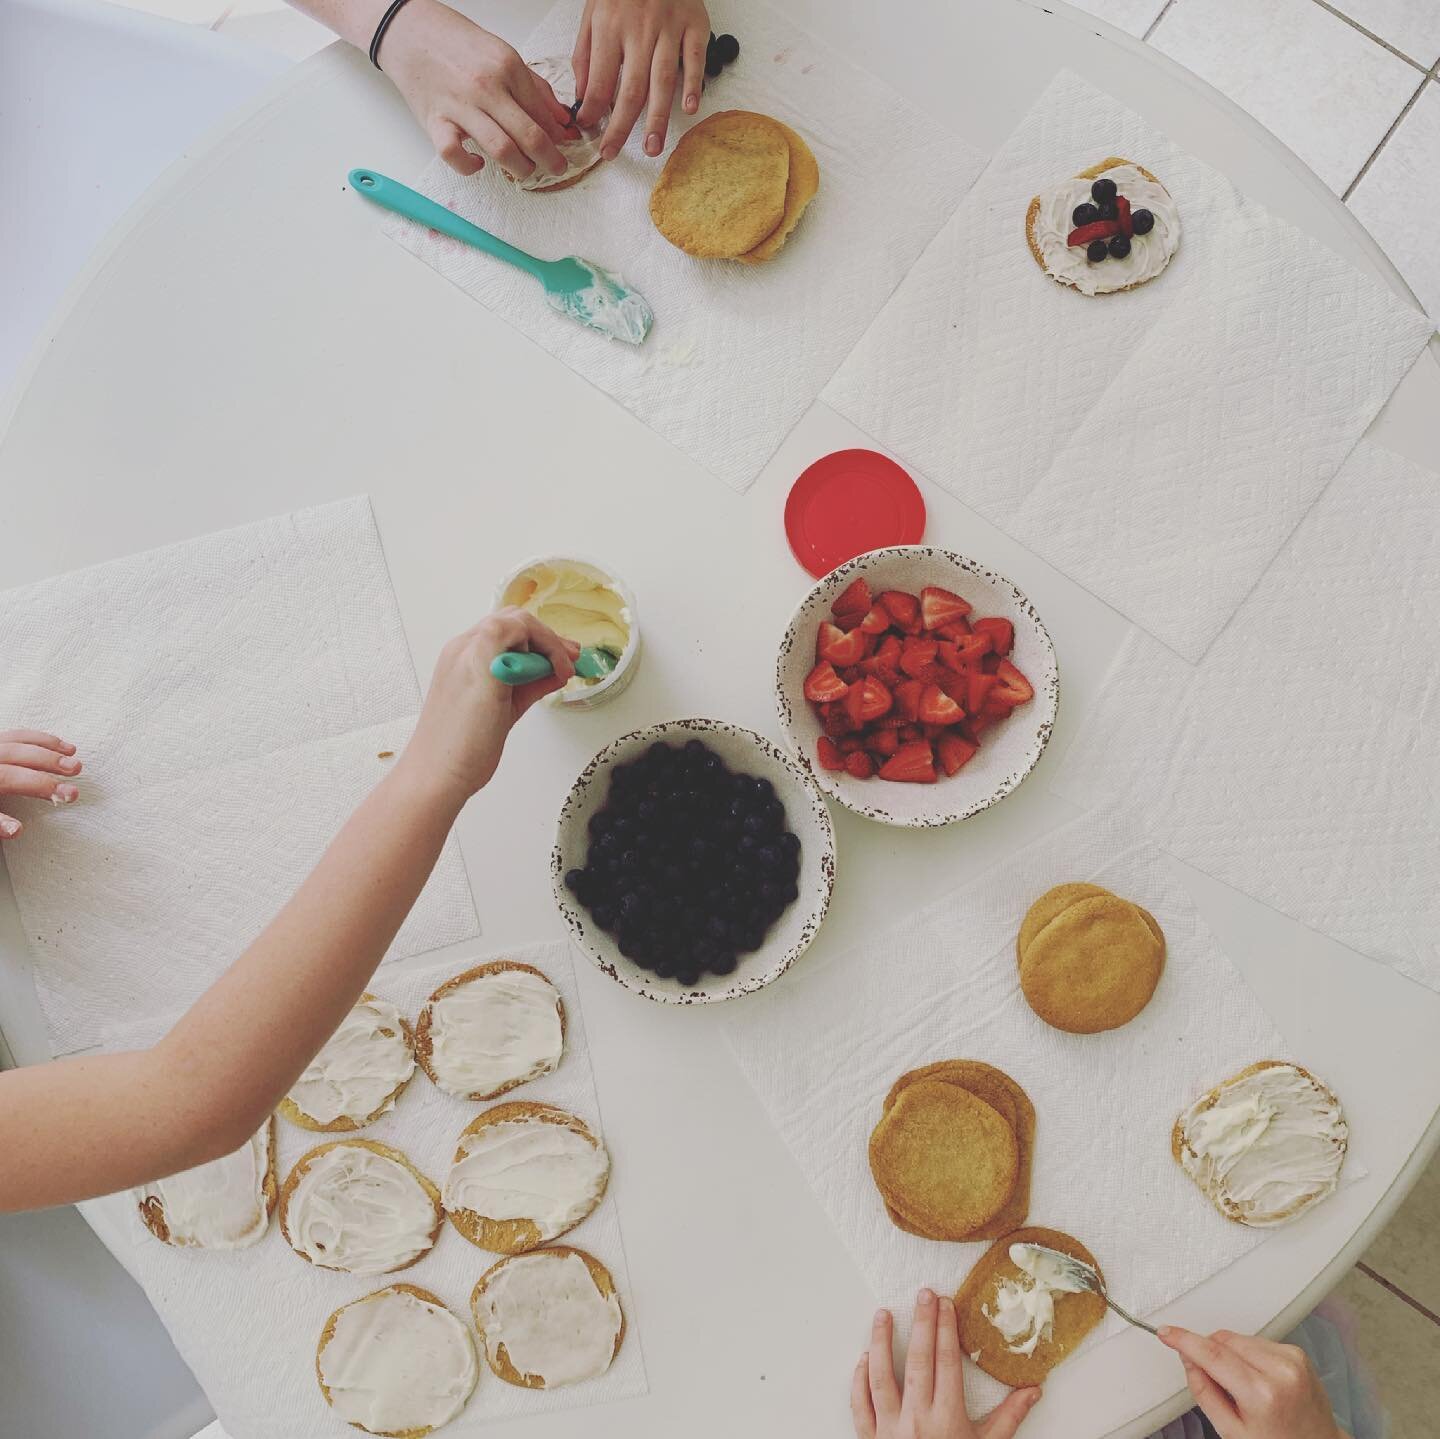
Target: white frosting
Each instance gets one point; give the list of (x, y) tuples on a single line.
[(1149, 254), (605, 304), (397, 1363), (529, 1169), (362, 1065), (578, 602), (554, 1323), (1024, 1309), (499, 1029), (359, 1211), (1273, 1142), (220, 1205), (584, 150)]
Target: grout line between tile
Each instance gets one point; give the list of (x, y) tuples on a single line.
[(1399, 1293), (1384, 139), (1164, 11), (1369, 34)]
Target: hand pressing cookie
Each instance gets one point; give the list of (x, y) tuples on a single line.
[(1089, 960)]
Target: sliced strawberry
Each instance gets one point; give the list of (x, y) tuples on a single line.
[(853, 602), (828, 753), (884, 664), (907, 699), (1001, 632), (1095, 230), (937, 708), (851, 744), (910, 733), (979, 687), (1122, 214), (841, 649), (910, 764), (893, 720), (867, 701), (940, 607), (954, 752), (1013, 684), (919, 655), (974, 725), (822, 684), (877, 621), (990, 663), (904, 610), (851, 673), (997, 705), (957, 686), (955, 630), (883, 742), (833, 719), (966, 653), (860, 765)]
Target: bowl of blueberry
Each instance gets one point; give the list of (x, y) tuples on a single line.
[(693, 861)]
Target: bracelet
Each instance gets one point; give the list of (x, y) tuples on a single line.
[(392, 10)]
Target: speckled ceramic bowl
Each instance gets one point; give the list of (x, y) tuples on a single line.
[(805, 814), (1009, 749)]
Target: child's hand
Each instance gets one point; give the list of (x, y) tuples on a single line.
[(932, 1403), (468, 712), (1250, 1388), (35, 764), (628, 52), (463, 82)]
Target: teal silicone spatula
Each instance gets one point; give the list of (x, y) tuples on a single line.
[(520, 667), (573, 286)]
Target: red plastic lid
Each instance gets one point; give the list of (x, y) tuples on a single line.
[(848, 503)]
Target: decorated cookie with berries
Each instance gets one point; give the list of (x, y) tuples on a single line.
[(1112, 227)]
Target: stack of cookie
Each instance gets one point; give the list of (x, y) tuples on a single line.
[(1089, 960), (952, 1151), (734, 188)]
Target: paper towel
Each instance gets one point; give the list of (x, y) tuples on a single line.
[(247, 1321), (230, 697), (942, 984), (738, 352), (1158, 445), (1300, 762)]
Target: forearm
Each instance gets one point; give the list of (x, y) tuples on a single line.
[(352, 20), (91, 1125)]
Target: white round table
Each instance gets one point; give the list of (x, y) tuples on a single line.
[(247, 343)]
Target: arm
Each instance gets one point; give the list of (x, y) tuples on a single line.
[(460, 82), (86, 1126)]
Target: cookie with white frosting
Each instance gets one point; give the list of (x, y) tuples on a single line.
[(360, 1207), (359, 1073), (490, 1029), (396, 1363), (548, 1318), (225, 1204), (1266, 1145), (582, 152), (1128, 250), (524, 1174)]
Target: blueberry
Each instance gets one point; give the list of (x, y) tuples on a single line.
[(664, 968), (1120, 247), (771, 856), (1109, 210), (687, 977), (574, 880), (1085, 214), (1142, 221), (727, 47), (604, 916), (724, 962), (1096, 251), (599, 823), (789, 842), (1103, 190), (756, 824), (789, 893), (647, 809)]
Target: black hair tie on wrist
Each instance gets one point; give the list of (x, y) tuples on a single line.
[(392, 10)]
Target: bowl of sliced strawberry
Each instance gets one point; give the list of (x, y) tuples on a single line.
[(918, 686)]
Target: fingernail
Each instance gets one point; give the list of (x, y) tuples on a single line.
[(652, 144), (947, 1304), (69, 765), (882, 1318), (692, 104), (66, 747), (9, 827), (609, 152), (1165, 1332), (927, 1298), (64, 794)]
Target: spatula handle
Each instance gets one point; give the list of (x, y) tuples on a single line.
[(520, 667), (392, 195)]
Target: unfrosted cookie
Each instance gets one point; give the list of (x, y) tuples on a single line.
[(722, 190), (801, 186), (944, 1159), (1093, 964)]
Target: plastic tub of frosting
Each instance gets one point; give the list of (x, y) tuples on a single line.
[(581, 601)]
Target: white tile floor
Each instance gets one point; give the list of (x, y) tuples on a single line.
[(1352, 86)]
